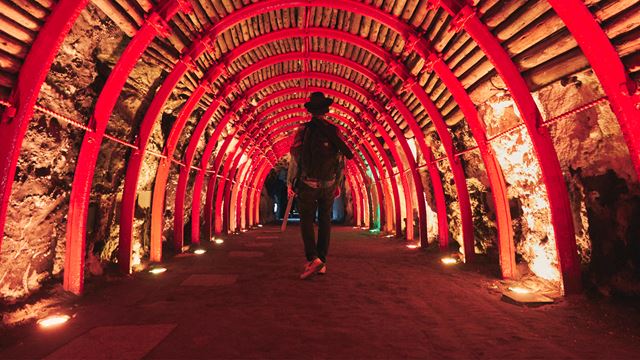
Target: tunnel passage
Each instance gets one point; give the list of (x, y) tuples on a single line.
[(501, 129)]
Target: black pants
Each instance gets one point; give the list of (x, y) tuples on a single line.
[(310, 200)]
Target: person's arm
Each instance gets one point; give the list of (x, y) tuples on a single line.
[(296, 151)]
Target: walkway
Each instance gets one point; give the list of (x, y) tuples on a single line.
[(379, 299)]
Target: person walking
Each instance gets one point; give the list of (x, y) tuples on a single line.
[(316, 174)]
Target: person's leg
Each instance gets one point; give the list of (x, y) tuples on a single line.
[(325, 206), (307, 207)]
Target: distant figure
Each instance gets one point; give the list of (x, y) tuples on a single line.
[(315, 174)]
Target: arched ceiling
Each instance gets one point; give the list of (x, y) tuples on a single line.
[(398, 70)]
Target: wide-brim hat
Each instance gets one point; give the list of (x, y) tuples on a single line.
[(318, 104)]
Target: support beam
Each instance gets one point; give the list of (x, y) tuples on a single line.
[(155, 24), (623, 93), (465, 17), (14, 121)]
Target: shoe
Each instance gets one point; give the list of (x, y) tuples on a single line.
[(323, 270), (312, 268)]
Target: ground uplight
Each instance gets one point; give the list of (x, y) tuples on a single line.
[(218, 241), (53, 320), (412, 246), (449, 260), (199, 251), (519, 290), (158, 270)]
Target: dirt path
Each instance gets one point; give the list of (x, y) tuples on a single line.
[(378, 300)]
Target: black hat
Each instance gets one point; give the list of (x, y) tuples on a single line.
[(318, 104)]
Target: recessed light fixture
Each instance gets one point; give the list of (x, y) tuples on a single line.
[(199, 251), (519, 290), (157, 270), (449, 260), (53, 320)]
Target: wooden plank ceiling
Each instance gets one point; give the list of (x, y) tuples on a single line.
[(529, 30)]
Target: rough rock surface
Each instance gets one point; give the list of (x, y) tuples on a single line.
[(34, 244), (602, 187)]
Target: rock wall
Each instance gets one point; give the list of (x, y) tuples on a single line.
[(34, 244), (604, 189), (602, 186)]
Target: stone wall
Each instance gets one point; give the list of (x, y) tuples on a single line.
[(602, 185), (34, 244)]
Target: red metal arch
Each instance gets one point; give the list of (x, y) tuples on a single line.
[(295, 75), (232, 155), (465, 17), (461, 18), (237, 154), (128, 200), (331, 92), (291, 124), (357, 203), (621, 90), (196, 203), (197, 188), (14, 121), (236, 52), (262, 130), (259, 181), (408, 116), (211, 187), (339, 95), (229, 188), (465, 207), (155, 24)]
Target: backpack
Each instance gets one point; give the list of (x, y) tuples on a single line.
[(320, 155)]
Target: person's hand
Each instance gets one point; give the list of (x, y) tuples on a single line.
[(336, 193), (290, 192)]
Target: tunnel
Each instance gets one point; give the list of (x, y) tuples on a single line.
[(497, 153)]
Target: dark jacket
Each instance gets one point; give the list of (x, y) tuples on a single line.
[(317, 124)]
